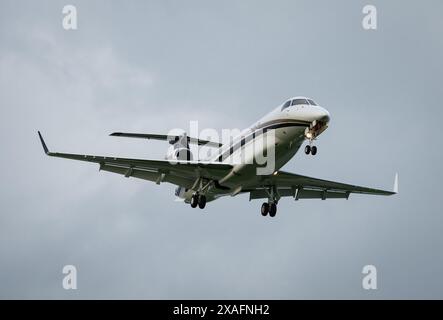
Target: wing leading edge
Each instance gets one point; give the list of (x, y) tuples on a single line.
[(178, 172)]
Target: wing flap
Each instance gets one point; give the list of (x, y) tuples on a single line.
[(286, 179), (316, 194), (300, 194), (261, 193)]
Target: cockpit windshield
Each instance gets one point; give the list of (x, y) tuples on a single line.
[(298, 101), (311, 102), (286, 104)]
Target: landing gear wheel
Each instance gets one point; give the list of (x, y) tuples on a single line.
[(194, 200), (272, 209), (264, 209), (313, 150), (308, 149), (201, 201)]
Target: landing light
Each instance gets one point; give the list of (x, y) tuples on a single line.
[(275, 173)]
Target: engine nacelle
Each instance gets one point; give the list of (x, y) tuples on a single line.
[(180, 149), (184, 154)]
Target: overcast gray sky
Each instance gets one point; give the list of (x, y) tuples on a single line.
[(150, 66)]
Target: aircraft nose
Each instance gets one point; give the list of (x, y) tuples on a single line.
[(321, 114), (324, 116)]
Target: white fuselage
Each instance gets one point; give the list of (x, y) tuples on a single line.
[(289, 126)]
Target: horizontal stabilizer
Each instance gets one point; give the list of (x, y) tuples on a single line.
[(170, 138)]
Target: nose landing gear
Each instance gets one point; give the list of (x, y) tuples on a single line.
[(311, 150), (311, 134)]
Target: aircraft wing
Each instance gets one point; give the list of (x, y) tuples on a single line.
[(170, 138), (178, 172), (302, 187), (186, 173)]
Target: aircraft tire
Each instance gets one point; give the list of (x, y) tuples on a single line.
[(201, 201), (194, 200), (272, 209), (313, 150), (264, 209)]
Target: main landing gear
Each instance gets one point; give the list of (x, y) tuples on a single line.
[(269, 207), (198, 200), (311, 150)]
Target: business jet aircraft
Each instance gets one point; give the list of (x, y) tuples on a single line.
[(296, 120)]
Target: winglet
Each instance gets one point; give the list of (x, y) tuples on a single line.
[(45, 148), (396, 183)]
